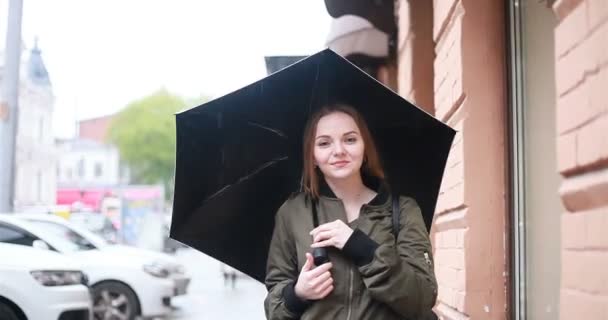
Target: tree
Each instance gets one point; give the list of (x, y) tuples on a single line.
[(144, 132)]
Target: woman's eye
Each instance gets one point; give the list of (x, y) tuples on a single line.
[(323, 143), (351, 139)]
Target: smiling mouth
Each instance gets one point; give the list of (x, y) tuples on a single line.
[(340, 163)]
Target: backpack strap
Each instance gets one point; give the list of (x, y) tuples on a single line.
[(396, 213)]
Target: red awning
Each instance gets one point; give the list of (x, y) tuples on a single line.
[(89, 198)]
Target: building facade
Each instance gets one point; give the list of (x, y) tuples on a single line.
[(35, 156), (519, 228), (88, 163)]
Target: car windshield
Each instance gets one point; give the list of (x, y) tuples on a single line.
[(64, 234)]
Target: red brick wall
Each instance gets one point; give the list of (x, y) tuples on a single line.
[(94, 129), (581, 48), (416, 52), (468, 93)]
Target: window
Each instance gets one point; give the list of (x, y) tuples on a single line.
[(536, 204), (98, 169), (40, 187), (12, 235), (64, 233), (41, 129), (81, 168)]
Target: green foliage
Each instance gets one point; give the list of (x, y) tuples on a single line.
[(144, 132)]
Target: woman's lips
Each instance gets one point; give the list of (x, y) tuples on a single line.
[(340, 164)]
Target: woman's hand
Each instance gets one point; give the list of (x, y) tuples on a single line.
[(314, 283), (331, 234)]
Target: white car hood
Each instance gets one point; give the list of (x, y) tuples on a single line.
[(19, 256), (98, 258)]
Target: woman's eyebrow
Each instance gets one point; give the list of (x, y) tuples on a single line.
[(323, 136), (350, 132)]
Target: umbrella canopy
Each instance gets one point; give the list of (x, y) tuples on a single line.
[(240, 156)]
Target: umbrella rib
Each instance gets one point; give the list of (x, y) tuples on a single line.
[(276, 131), (314, 87), (249, 175)]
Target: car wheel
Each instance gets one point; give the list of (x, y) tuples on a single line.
[(114, 301), (7, 312)]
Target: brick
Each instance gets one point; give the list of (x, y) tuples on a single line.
[(587, 146), (573, 231), (597, 12), (569, 304), (580, 305), (602, 139), (596, 225), (592, 307), (573, 109), (598, 43), (451, 278), (572, 29), (448, 312), (586, 191), (572, 268), (598, 92), (447, 295), (594, 276), (566, 152), (572, 69), (460, 300), (563, 8), (441, 14), (453, 258)]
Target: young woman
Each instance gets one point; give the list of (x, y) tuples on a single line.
[(370, 273)]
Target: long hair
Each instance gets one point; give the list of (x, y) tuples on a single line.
[(371, 166)]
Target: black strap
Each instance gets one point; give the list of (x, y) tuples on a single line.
[(315, 217), (396, 214)]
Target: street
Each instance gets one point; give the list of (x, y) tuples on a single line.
[(207, 296)]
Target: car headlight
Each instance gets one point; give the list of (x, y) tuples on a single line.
[(59, 278), (156, 269)]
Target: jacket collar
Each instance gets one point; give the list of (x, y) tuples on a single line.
[(373, 183)]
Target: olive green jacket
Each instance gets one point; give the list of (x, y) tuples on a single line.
[(375, 277)]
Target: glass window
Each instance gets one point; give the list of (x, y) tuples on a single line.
[(537, 204), (11, 235), (81, 168), (64, 233), (98, 169)]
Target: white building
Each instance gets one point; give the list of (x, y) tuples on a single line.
[(88, 163), (35, 156)]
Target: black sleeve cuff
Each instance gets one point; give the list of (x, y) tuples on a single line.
[(360, 248), (292, 301)]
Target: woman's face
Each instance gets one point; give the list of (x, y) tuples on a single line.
[(338, 146)]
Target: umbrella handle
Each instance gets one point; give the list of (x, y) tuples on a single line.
[(320, 256)]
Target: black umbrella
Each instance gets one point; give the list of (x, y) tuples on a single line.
[(240, 156)]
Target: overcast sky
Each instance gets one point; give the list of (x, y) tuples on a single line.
[(103, 54)]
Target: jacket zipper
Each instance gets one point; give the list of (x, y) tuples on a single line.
[(427, 259), (350, 294)]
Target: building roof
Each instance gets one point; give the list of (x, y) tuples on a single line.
[(36, 70)]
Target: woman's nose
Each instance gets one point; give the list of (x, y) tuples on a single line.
[(338, 149)]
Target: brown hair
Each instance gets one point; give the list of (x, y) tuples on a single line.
[(371, 165)]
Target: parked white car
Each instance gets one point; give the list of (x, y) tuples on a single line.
[(123, 285), (40, 284), (164, 262)]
